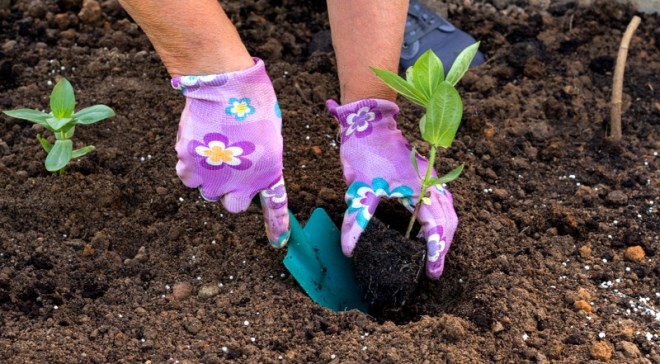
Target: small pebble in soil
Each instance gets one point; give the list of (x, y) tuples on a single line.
[(617, 197), (585, 251), (629, 349), (601, 350), (635, 254), (582, 305), (246, 323), (208, 291), (497, 327), (181, 290)]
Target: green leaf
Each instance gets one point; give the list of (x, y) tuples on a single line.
[(59, 156), (67, 133), (93, 114), (443, 116), (410, 75), (428, 73), (82, 151), (34, 116), (400, 85), (462, 63), (44, 143), (413, 161), (447, 177), (56, 123), (62, 100)]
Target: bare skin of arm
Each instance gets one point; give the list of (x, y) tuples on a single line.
[(200, 39), (366, 33), (191, 37)]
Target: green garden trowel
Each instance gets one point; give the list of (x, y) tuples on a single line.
[(315, 260)]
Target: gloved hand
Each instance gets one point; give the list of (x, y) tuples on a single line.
[(230, 146), (376, 160)]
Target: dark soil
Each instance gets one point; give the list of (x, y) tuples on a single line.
[(387, 267), (547, 207)]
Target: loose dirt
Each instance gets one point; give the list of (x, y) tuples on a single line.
[(541, 182)]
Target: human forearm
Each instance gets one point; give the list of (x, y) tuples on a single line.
[(366, 33), (192, 38)]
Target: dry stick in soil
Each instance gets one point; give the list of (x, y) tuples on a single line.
[(617, 84)]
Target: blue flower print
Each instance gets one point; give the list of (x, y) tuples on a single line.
[(239, 109), (278, 111), (363, 198)]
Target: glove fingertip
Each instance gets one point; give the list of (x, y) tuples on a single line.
[(235, 202), (332, 106), (437, 246), (274, 205), (434, 269), (350, 235), (281, 240)]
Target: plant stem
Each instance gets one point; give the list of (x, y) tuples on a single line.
[(617, 82), (422, 192)]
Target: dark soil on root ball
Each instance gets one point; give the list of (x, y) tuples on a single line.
[(117, 262), (387, 267)]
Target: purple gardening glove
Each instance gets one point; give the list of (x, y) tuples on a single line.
[(376, 161), (230, 143)]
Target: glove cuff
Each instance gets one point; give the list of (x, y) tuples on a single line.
[(360, 118), (239, 97), (196, 81)]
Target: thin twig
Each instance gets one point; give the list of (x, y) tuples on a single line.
[(617, 83), (301, 92)]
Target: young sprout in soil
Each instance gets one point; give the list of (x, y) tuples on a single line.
[(62, 121), (425, 84)]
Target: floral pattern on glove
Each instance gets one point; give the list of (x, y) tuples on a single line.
[(383, 156), (435, 243), (229, 143), (239, 109), (216, 152), (184, 83), (359, 122), (361, 197), (276, 195)]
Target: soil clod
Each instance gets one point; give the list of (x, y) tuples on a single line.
[(635, 254)]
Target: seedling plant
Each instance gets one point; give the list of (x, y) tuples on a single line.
[(62, 121), (426, 85)]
